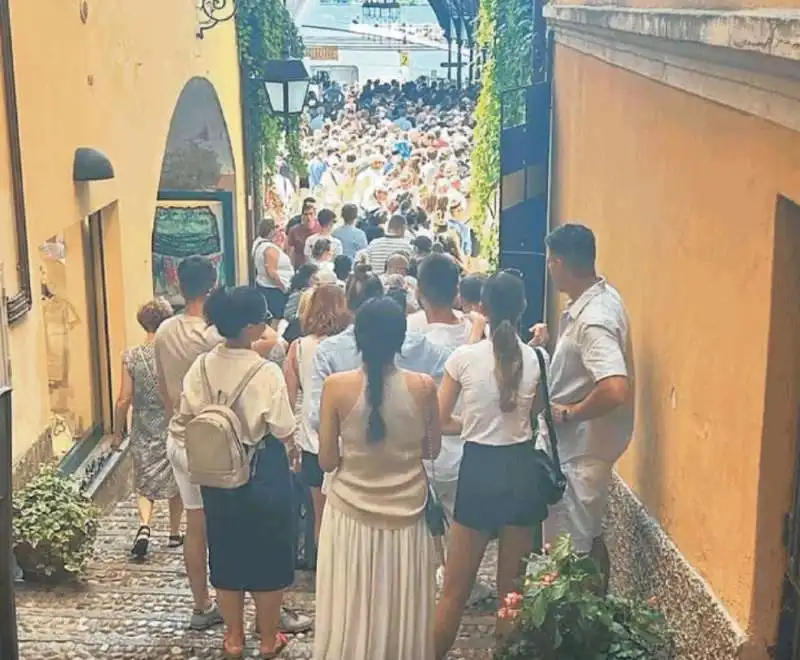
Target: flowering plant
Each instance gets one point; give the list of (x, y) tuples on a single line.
[(559, 615)]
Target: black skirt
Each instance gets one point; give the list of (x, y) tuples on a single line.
[(499, 486), (252, 530), (275, 299)]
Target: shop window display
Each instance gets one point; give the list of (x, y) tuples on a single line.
[(67, 337)]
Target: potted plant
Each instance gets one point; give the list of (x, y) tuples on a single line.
[(54, 527), (560, 615)]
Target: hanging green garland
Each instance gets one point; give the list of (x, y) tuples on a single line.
[(505, 35), (266, 31)]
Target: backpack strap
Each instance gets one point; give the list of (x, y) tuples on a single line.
[(207, 391), (237, 392), (251, 372)]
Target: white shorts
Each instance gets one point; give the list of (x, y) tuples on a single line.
[(190, 493), (580, 513)]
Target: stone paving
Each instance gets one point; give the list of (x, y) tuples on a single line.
[(123, 610)]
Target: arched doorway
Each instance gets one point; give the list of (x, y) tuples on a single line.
[(195, 213)]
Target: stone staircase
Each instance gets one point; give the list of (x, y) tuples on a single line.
[(123, 610)]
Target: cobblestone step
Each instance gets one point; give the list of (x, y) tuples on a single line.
[(125, 610)]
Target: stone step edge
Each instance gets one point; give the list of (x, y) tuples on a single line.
[(119, 642)]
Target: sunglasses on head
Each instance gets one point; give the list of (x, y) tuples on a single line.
[(513, 271)]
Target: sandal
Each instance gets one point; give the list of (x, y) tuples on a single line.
[(231, 652), (281, 642), (142, 542), (175, 541)]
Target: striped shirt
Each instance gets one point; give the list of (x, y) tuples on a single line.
[(379, 251)]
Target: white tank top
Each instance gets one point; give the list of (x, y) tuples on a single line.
[(307, 437), (285, 268)]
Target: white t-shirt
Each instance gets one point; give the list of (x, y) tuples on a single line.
[(482, 420), (447, 464), (336, 244)]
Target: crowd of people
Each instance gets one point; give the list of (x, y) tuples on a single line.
[(382, 413), (371, 365)]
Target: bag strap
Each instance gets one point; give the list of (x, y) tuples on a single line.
[(548, 411), (209, 394), (251, 372), (237, 392)]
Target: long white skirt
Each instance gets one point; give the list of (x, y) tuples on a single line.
[(375, 591)]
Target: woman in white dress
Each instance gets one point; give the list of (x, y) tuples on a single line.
[(375, 565)]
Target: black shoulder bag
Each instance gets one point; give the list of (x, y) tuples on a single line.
[(554, 482)]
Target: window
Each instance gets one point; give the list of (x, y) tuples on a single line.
[(74, 313)]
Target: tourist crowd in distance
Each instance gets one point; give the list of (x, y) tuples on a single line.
[(373, 369)]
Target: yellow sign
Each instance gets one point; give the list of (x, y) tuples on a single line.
[(324, 53), (404, 58)]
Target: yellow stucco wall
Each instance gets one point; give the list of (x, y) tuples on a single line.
[(682, 195), (112, 84)]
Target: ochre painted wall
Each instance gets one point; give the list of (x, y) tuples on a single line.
[(682, 194), (112, 84)]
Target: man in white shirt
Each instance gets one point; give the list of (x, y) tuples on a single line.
[(179, 342), (591, 388), (444, 326)]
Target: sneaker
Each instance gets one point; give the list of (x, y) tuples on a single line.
[(207, 619), (292, 622)]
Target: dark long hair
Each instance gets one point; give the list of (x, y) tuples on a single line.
[(503, 299), (362, 285), (380, 331)]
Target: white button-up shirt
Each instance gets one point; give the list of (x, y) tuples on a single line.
[(593, 344)]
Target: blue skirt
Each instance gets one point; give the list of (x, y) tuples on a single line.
[(252, 530)]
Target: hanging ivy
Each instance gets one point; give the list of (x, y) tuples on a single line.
[(266, 31), (505, 35)]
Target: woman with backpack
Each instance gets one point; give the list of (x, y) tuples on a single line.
[(238, 427)]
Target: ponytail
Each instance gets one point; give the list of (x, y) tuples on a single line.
[(507, 363), (376, 426), (380, 330)]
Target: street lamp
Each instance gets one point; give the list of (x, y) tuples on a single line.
[(286, 83)]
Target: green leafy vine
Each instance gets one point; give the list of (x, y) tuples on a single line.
[(266, 31), (505, 35)]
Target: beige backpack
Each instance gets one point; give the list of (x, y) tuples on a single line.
[(216, 455)]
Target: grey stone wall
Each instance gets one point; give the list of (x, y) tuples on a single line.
[(645, 563)]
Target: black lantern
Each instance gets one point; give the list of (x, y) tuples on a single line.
[(286, 83)]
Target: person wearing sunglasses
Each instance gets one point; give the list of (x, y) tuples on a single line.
[(591, 375)]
